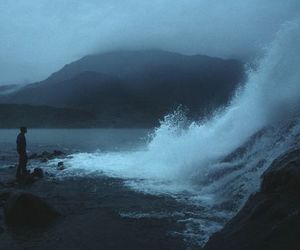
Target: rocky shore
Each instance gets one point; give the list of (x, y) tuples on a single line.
[(87, 213), (270, 219), (81, 213)]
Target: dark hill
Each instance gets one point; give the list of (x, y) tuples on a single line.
[(135, 66), (136, 87), (16, 115), (6, 89)]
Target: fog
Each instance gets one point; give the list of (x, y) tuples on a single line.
[(38, 37)]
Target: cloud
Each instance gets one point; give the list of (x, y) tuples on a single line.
[(37, 37)]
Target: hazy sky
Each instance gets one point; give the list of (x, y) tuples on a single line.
[(38, 37)]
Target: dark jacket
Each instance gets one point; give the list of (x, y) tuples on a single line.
[(21, 144)]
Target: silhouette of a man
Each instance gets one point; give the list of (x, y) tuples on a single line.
[(21, 148)]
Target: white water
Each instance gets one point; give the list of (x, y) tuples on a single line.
[(185, 160), (176, 153)]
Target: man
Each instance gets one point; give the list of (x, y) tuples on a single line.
[(21, 148)]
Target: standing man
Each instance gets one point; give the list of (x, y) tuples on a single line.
[(21, 148)]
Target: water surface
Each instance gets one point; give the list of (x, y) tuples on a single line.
[(74, 140)]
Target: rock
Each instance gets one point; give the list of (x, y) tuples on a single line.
[(45, 153), (57, 153), (60, 165), (33, 156), (4, 195), (37, 172), (45, 156), (283, 175), (43, 160), (270, 219), (28, 209), (26, 179)]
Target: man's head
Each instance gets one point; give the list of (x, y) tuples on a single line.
[(23, 130)]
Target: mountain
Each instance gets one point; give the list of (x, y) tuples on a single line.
[(7, 89), (136, 87), (135, 66)]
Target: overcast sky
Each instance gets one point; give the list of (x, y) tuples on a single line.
[(37, 37)]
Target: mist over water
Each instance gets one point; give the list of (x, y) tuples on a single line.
[(199, 162)]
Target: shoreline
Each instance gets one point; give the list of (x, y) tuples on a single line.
[(92, 209)]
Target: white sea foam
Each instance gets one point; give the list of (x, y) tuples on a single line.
[(177, 152)]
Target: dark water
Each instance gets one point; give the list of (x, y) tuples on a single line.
[(72, 140)]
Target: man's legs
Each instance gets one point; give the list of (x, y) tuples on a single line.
[(22, 170)]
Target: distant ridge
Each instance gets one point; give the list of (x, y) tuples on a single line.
[(16, 115), (135, 87)]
